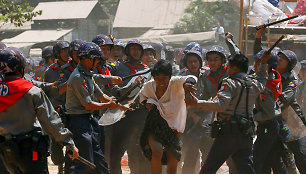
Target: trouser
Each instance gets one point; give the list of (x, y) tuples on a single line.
[(124, 136), (87, 140), (298, 147), (193, 144), (228, 144), (267, 148), (27, 158)]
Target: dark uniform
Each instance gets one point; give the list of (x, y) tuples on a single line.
[(234, 105), (82, 90), (25, 110)]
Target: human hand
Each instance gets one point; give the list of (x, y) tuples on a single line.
[(191, 100), (116, 80)]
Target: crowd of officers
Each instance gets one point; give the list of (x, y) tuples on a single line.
[(58, 104)]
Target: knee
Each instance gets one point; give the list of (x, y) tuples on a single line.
[(157, 154)]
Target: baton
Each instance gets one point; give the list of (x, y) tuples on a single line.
[(276, 43), (84, 161), (137, 74), (276, 22)]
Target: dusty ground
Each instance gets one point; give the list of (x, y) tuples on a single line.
[(126, 170)]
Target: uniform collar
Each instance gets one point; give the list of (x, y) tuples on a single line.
[(84, 71), (286, 75)]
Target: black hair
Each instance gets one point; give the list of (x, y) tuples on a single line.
[(162, 67), (240, 61)]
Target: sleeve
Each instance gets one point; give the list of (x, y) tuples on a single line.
[(45, 86), (143, 95), (50, 120), (288, 94), (80, 88), (102, 80), (257, 46), (97, 91), (47, 76), (232, 47), (65, 77), (221, 101), (262, 77), (267, 107)]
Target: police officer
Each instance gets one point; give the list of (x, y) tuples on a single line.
[(234, 103), (117, 51), (124, 135), (291, 110), (80, 104), (23, 145), (196, 136), (47, 55), (149, 54), (61, 53)]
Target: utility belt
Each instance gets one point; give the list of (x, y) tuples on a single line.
[(11, 145), (233, 125)]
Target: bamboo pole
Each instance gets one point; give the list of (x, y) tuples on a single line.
[(241, 24)]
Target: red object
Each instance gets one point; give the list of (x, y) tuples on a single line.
[(134, 67), (11, 90), (275, 85), (101, 72), (70, 68), (216, 80), (54, 67), (34, 156)]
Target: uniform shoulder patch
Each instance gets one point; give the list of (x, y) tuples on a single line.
[(292, 84), (4, 89)]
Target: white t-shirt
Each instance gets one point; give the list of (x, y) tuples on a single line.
[(171, 105)]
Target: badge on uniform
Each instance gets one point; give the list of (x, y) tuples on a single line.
[(4, 89), (85, 85), (292, 84), (61, 75), (223, 87)]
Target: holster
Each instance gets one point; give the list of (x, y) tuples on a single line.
[(246, 126)]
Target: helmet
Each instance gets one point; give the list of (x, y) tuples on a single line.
[(193, 45), (47, 52), (149, 47), (119, 43), (2, 46), (58, 47), (133, 41), (273, 60), (101, 40), (11, 60), (159, 46), (218, 49), (89, 50), (291, 56), (74, 46), (193, 52)]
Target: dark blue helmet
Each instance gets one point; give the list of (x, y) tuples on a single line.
[(291, 56), (2, 46), (74, 46), (101, 40), (90, 50), (274, 57), (193, 45), (12, 60), (149, 47), (217, 49), (131, 42), (58, 47), (159, 46), (119, 43), (193, 52), (47, 52)]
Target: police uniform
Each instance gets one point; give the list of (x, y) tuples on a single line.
[(82, 90), (196, 136), (290, 111), (19, 123), (233, 105), (124, 135), (267, 113), (40, 73)]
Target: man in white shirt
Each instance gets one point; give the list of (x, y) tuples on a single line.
[(219, 35)]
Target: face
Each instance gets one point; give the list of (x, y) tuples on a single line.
[(282, 63), (214, 60), (64, 54), (148, 58), (193, 63), (117, 53), (75, 57), (135, 51), (106, 51), (161, 80)]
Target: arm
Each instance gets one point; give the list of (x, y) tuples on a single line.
[(233, 48), (257, 44)]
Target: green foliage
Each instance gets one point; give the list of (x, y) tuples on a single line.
[(201, 16), (16, 12)]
